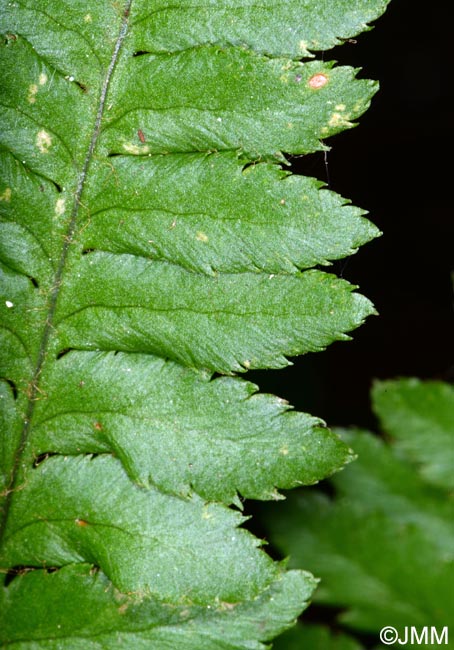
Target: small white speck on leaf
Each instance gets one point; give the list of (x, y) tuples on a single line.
[(9, 304), (60, 207), (42, 79)]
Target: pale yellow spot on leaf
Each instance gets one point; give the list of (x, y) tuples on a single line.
[(276, 496), (283, 451), (303, 47), (338, 120), (43, 141), (6, 195), (60, 207), (340, 107), (223, 606), (43, 79), (201, 236), (135, 149), (358, 106), (32, 90), (206, 514), (87, 18)]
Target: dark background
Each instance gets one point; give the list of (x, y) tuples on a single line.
[(396, 164)]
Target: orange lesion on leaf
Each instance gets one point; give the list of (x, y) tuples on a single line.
[(81, 522), (317, 81)]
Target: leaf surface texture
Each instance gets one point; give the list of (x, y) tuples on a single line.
[(151, 238)]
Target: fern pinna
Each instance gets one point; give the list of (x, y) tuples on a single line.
[(151, 241)]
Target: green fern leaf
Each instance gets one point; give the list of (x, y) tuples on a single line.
[(149, 238), (80, 608), (386, 539), (419, 417)]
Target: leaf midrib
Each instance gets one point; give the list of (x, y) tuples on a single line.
[(53, 297)]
